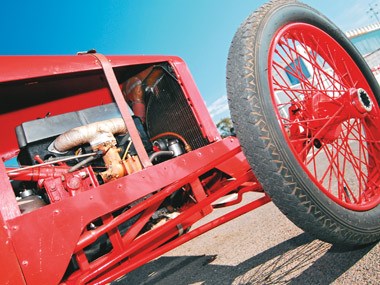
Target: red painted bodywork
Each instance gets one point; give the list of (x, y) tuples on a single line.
[(36, 247)]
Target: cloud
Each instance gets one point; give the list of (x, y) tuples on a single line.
[(218, 107)]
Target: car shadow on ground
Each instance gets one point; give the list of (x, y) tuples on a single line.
[(298, 260)]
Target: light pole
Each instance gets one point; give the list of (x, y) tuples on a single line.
[(373, 11)]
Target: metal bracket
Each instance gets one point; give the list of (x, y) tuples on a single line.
[(123, 107)]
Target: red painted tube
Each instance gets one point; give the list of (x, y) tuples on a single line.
[(37, 173), (154, 234), (145, 257)]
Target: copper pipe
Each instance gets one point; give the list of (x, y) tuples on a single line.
[(133, 94), (116, 167), (112, 161), (133, 90)]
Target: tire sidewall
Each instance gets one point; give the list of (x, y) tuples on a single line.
[(273, 21)]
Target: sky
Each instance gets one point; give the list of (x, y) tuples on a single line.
[(199, 31)]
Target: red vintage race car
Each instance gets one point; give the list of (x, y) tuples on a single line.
[(107, 162)]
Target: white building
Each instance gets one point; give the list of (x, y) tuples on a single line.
[(367, 41)]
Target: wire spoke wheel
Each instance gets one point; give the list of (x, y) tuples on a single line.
[(305, 107), (326, 114)]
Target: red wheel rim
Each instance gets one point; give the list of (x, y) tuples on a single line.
[(328, 114)]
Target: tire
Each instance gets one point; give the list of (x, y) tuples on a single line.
[(305, 107)]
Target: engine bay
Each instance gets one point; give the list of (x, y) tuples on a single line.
[(64, 154)]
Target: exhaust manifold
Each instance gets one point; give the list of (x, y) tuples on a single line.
[(100, 135)]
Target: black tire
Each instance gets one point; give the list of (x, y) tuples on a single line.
[(262, 139)]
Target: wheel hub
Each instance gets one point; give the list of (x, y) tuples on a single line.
[(363, 103), (324, 114)]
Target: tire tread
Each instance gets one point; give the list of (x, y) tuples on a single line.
[(258, 140)]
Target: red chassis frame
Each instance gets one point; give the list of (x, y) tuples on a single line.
[(36, 247)]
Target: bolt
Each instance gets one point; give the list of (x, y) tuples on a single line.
[(317, 143), (74, 183), (82, 174), (25, 263)]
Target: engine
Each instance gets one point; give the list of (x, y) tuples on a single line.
[(63, 155)]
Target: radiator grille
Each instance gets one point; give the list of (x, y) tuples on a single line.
[(168, 111)]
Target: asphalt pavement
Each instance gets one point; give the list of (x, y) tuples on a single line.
[(261, 247)]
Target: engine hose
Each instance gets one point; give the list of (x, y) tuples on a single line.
[(171, 134), (83, 162), (154, 155)]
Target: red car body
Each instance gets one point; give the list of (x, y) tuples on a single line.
[(37, 247)]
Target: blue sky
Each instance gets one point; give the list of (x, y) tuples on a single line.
[(199, 31)]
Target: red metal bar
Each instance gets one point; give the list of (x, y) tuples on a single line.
[(14, 68), (136, 228), (91, 236), (200, 194), (82, 260), (145, 257), (164, 237), (144, 240), (251, 186), (113, 235), (121, 103)]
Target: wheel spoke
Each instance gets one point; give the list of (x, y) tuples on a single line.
[(306, 69)]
